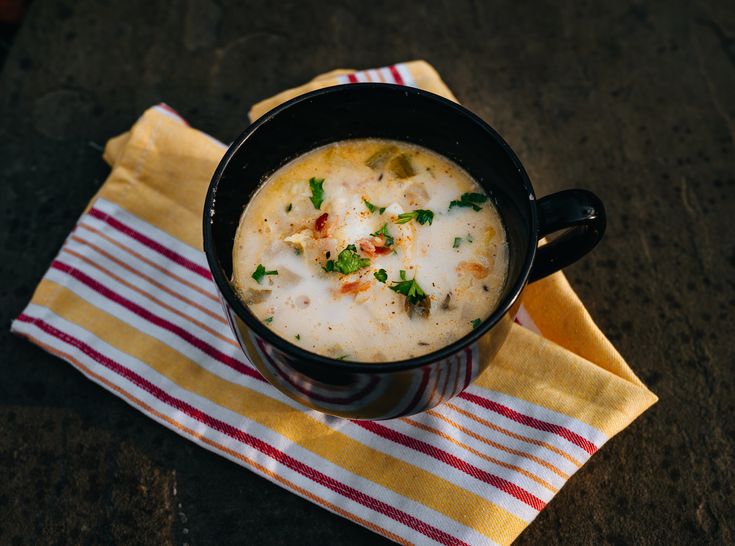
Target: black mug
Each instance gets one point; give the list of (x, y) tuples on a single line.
[(391, 389)]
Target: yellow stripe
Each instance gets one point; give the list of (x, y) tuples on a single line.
[(410, 481), (232, 453)]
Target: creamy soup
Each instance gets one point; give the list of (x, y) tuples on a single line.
[(371, 251)]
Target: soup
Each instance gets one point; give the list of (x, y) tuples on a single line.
[(370, 250)]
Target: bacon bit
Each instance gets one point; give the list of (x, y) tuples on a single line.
[(354, 287), (374, 245), (367, 246), (477, 270), (321, 223)]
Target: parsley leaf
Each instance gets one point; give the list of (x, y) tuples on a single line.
[(372, 208), (260, 272), (298, 337), (409, 288), (268, 320), (289, 207), (341, 357), (384, 232), (457, 242), (347, 262), (317, 191), (469, 200), (422, 217), (381, 275), (476, 323)]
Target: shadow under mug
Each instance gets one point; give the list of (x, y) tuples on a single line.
[(391, 389)]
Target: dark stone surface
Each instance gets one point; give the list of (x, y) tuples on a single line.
[(632, 100)]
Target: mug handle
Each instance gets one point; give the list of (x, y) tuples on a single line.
[(582, 214)]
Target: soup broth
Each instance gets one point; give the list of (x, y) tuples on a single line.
[(370, 250)]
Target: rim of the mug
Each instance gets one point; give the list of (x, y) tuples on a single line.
[(293, 350)]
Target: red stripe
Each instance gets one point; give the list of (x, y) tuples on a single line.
[(352, 78), (249, 440), (150, 243), (441, 455), (532, 422), (158, 321), (396, 74)]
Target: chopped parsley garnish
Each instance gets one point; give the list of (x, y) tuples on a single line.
[(469, 200), (457, 242), (298, 337), (422, 217), (476, 323), (317, 191), (384, 232), (469, 238), (289, 207), (341, 357), (268, 320), (372, 208), (347, 262), (381, 275), (260, 272), (409, 288)]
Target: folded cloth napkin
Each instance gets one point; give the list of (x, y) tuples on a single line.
[(129, 301)]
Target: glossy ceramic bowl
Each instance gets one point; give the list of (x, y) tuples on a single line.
[(390, 389)]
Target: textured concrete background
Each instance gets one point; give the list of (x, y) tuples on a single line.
[(635, 101)]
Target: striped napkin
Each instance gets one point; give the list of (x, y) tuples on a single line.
[(129, 301)]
